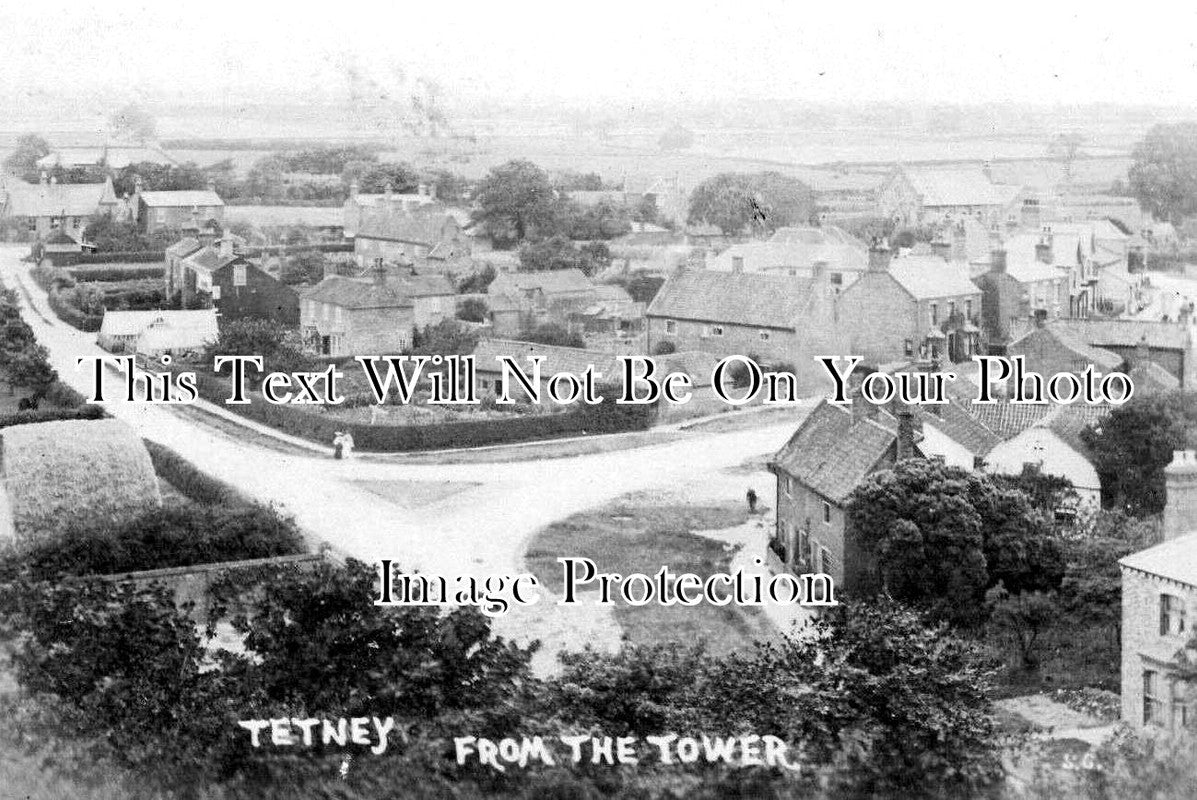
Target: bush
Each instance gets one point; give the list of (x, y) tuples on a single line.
[(606, 417), (165, 537), (664, 348), (52, 415), (66, 311), (190, 482)]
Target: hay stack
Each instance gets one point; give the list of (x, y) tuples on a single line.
[(55, 472)]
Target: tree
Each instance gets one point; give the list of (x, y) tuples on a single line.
[(111, 235), (1163, 173), (600, 221), (276, 344), (1023, 618), (939, 536), (374, 177), (514, 201), (759, 203), (1135, 442), (472, 309), (159, 177), (30, 367), (134, 122), (306, 267), (477, 281), (446, 338), (22, 161), (560, 253)]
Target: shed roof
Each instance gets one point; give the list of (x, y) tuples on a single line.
[(133, 323), (337, 290), (959, 187)]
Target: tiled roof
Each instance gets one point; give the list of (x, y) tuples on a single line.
[(1007, 420), (959, 187), (928, 276), (426, 228), (181, 199), (781, 255), (556, 359), (1126, 333), (954, 421), (1151, 377), (611, 293), (1032, 342), (556, 281), (826, 234), (58, 199), (183, 247), (345, 292), (756, 299), (833, 450), (1175, 559)]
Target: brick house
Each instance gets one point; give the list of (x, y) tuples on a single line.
[(173, 210), (343, 316), (730, 313), (929, 196), (216, 275), (910, 307), (521, 300), (422, 234), (833, 451), (42, 209), (1018, 293), (1159, 601)]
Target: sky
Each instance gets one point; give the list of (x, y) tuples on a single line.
[(612, 49)]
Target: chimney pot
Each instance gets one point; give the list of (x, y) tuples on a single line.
[(905, 434)]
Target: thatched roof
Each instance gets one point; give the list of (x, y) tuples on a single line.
[(57, 471)]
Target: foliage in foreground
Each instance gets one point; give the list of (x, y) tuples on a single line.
[(873, 702)]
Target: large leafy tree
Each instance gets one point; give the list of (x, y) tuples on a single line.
[(1163, 175), (22, 161), (756, 203), (1134, 443), (516, 200), (939, 536)]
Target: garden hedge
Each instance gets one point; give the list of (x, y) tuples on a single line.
[(191, 482), (606, 417)]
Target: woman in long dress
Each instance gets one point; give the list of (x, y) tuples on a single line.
[(346, 444)]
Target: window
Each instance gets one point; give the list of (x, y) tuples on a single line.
[(951, 308), (215, 292), (716, 330), (326, 311), (968, 309), (826, 512), (338, 315), (160, 216), (33, 223), (1180, 704), (935, 313), (1172, 615), (75, 223), (788, 483), (764, 336), (1151, 700), (670, 326), (803, 544), (238, 274), (908, 347), (837, 279)]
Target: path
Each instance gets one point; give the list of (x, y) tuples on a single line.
[(479, 529)]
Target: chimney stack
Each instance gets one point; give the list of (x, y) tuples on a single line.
[(354, 188), (1180, 509), (1043, 248), (1030, 216), (997, 260), (879, 256), (379, 273), (226, 246), (942, 248)]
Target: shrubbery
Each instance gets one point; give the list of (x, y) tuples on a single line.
[(190, 482), (165, 537)]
